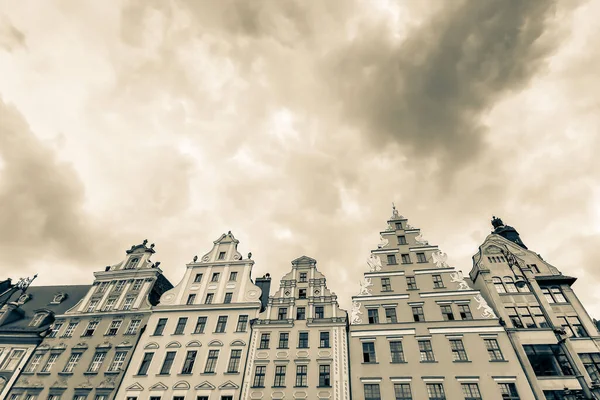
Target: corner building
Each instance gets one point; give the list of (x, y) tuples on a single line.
[(419, 331), (299, 344), (555, 339), (196, 343)]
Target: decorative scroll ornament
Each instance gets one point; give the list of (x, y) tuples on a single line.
[(487, 310), (440, 259), (408, 226), (419, 239), (364, 287), (355, 313), (389, 228), (457, 277), (374, 263), (384, 242)]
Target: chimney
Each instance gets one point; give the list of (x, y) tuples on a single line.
[(264, 283)]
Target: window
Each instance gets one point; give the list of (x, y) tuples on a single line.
[(548, 360), (458, 350), (228, 297), (421, 258), (554, 294), (498, 284), (509, 391), (319, 312), (279, 376), (386, 285), (402, 391), (471, 391), (233, 276), (302, 277), (540, 318), (405, 258), (50, 363), (160, 326), (119, 286), (198, 278), (242, 323), (397, 352), (324, 376), (301, 375), (200, 325), (526, 317), (369, 355), (391, 259), (514, 317), (303, 340), (284, 340), (465, 312), (390, 316), (188, 364), (226, 397), (37, 319), (573, 326), (211, 361), (401, 239), (97, 361), (84, 396), (104, 397), (221, 324), (180, 325), (110, 304), (209, 298), (282, 313), (215, 277), (118, 361), (493, 350), (54, 397), (591, 362), (102, 287), (72, 362), (373, 316), (13, 359), (509, 284), (167, 363), (133, 327), (447, 313), (55, 328), (234, 361), (191, 298), (437, 281), (372, 391), (435, 391), (128, 303), (264, 341), (114, 328), (132, 263), (259, 376), (560, 395), (91, 328), (411, 283), (300, 313), (324, 339), (534, 268), (137, 284), (418, 313), (426, 351), (398, 225), (146, 361), (92, 305), (70, 329), (301, 293), (221, 255), (34, 363)]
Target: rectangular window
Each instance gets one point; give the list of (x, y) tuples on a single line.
[(526, 317), (391, 259), (458, 350), (92, 305), (514, 317), (259, 376), (471, 391), (390, 316), (215, 277), (279, 376), (373, 314), (534, 268), (70, 329), (397, 352), (284, 340), (190, 300), (540, 318), (233, 276), (405, 258), (509, 391), (301, 293), (303, 340), (324, 339), (110, 304), (302, 277), (465, 312), (369, 355), (324, 376), (418, 313), (435, 391), (282, 313), (200, 325), (401, 239), (447, 313), (160, 327), (168, 363), (242, 323), (421, 258), (188, 364), (71, 363), (146, 361), (102, 287), (12, 360), (55, 329), (119, 286), (114, 328), (128, 303), (34, 363), (548, 360), (221, 255), (221, 324), (437, 281), (234, 361), (211, 361), (398, 225), (133, 327), (228, 297), (198, 278), (209, 298), (91, 328), (264, 341), (97, 361), (493, 350), (319, 312), (50, 363), (372, 392), (591, 362), (411, 283), (402, 391), (301, 375), (118, 361), (181, 322), (300, 313), (426, 351), (386, 285), (577, 326), (137, 284)]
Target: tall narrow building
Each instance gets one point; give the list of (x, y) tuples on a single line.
[(89, 345), (554, 337), (299, 343), (197, 339), (419, 331)]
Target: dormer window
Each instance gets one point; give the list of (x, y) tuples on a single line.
[(37, 319), (222, 255), (58, 298), (24, 298), (132, 263)]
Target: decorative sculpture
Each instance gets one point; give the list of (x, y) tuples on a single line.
[(374, 263), (364, 287), (195, 258), (420, 240), (355, 313), (439, 259), (487, 310), (457, 277), (382, 243), (395, 214)]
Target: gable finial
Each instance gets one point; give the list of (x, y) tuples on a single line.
[(145, 241), (394, 211)]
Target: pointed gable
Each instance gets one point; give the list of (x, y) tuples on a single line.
[(135, 387), (228, 385), (159, 386), (206, 385)]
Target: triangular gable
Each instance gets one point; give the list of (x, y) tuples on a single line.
[(181, 385), (135, 386), (229, 385), (206, 385), (158, 386), (304, 260)]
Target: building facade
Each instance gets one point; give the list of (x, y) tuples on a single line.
[(299, 347), (89, 346), (551, 332), (420, 331), (197, 339)]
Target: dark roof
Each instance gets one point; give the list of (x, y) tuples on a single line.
[(41, 299)]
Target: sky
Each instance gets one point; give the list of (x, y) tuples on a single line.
[(296, 124)]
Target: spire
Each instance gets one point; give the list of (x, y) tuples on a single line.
[(507, 232)]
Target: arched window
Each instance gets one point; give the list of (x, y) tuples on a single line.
[(510, 285), (498, 285), (133, 263), (558, 295), (522, 285)]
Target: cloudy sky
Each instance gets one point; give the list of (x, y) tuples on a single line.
[(295, 124)]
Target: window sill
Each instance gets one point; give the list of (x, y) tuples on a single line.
[(112, 372), (398, 362), (231, 373), (177, 334), (304, 348), (184, 374), (257, 387), (283, 348), (388, 264), (428, 362), (207, 373), (461, 361), (90, 373), (65, 373), (43, 373), (300, 386), (167, 374), (440, 287), (499, 361), (277, 387), (324, 387), (374, 362), (324, 347), (264, 348), (140, 376), (27, 373), (413, 289), (221, 333)]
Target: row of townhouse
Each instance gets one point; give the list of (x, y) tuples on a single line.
[(418, 329)]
